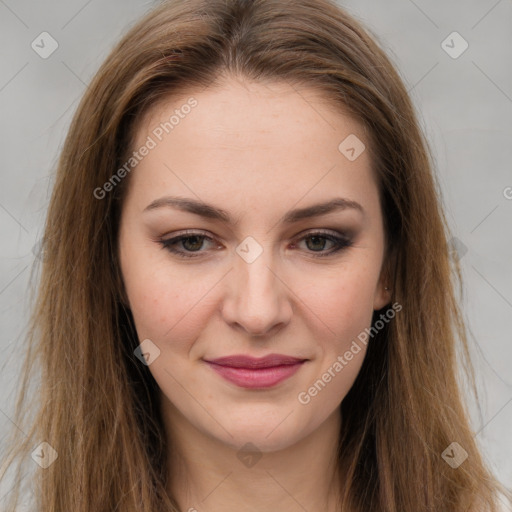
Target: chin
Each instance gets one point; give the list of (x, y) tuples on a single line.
[(247, 440), (266, 436)]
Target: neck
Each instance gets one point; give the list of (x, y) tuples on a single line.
[(208, 475)]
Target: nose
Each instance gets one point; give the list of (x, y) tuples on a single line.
[(258, 299)]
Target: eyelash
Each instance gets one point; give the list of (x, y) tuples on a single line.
[(341, 243)]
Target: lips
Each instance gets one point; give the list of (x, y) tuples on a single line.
[(251, 372), (241, 361)]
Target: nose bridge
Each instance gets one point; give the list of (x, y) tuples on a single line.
[(258, 301), (254, 272)]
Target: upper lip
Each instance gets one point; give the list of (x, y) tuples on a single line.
[(243, 361)]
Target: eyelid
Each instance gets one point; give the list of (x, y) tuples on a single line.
[(333, 232), (190, 232), (324, 231)]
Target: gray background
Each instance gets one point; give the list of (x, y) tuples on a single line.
[(465, 108)]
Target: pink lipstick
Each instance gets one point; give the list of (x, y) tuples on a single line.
[(253, 373)]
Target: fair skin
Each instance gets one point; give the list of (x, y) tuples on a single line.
[(256, 151)]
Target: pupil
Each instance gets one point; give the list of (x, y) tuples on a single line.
[(197, 244), (318, 238)]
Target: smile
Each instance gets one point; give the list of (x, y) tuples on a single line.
[(252, 373)]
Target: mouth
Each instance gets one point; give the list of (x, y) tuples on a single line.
[(253, 373)]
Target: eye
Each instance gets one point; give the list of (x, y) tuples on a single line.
[(189, 244), (320, 238)]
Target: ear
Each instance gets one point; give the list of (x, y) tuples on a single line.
[(382, 293), (383, 289)]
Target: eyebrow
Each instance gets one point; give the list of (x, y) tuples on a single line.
[(211, 212)]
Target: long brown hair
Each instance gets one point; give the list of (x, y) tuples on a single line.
[(98, 404)]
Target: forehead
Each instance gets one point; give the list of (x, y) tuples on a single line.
[(249, 112), (267, 140)]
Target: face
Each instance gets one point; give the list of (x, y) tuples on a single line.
[(256, 271)]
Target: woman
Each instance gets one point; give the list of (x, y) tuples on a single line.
[(201, 347)]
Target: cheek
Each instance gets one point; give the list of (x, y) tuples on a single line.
[(342, 304), (343, 309), (167, 305)]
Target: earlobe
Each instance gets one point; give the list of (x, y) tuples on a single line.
[(383, 291), (382, 297)]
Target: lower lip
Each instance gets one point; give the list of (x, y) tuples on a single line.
[(256, 378)]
